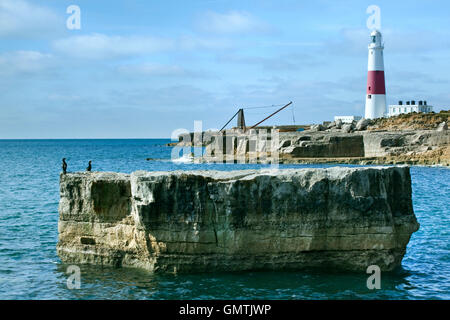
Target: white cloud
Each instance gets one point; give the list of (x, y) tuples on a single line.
[(24, 62), (354, 41), (194, 43), (21, 19), (419, 41), (174, 97), (100, 46), (283, 62), (151, 69), (349, 41), (231, 22)]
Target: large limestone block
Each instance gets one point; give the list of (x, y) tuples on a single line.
[(205, 221), (327, 147)]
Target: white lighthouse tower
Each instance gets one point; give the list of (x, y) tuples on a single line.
[(376, 91)]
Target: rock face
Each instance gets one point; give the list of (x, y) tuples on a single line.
[(317, 127), (362, 124), (442, 126), (398, 143), (413, 138), (205, 221), (382, 147), (357, 142), (329, 146)]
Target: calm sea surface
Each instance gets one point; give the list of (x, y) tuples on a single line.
[(30, 268)]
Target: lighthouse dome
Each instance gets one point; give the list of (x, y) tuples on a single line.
[(375, 39), (375, 32)]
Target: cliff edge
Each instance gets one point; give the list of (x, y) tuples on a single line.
[(414, 139), (205, 221)]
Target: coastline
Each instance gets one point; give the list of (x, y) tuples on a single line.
[(415, 139)]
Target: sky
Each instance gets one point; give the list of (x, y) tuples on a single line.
[(146, 68)]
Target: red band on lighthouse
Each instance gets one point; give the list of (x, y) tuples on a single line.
[(375, 82)]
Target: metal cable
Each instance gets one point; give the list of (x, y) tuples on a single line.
[(262, 107)]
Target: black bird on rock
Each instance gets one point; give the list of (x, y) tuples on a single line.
[(64, 165), (89, 167)]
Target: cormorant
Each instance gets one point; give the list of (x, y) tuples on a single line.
[(89, 167), (64, 165)]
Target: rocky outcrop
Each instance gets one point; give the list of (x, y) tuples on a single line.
[(442, 126), (317, 127), (206, 221), (421, 147), (411, 143), (413, 138), (362, 124), (425, 147), (326, 145), (411, 121)]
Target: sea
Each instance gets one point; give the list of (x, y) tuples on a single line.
[(31, 269)]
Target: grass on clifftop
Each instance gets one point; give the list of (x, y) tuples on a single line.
[(411, 121)]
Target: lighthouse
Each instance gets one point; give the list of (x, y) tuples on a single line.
[(376, 91)]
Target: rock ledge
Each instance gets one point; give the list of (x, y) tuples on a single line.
[(205, 221)]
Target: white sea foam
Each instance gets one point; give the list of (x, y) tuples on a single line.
[(185, 158)]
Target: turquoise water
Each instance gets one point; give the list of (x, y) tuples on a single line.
[(30, 268)]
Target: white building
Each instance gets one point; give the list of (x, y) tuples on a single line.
[(347, 119), (409, 106)]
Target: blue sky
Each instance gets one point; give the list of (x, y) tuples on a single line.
[(142, 69)]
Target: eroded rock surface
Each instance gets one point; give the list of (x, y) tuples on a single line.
[(205, 221), (367, 147)]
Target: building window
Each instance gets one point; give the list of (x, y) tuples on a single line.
[(374, 39), (369, 96)]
